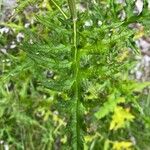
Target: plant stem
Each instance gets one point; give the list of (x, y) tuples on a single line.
[(76, 70), (76, 111), (59, 9), (72, 7)]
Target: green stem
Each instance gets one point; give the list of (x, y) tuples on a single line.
[(72, 7), (76, 70), (59, 9), (76, 114)]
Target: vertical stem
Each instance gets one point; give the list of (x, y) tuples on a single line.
[(76, 70), (75, 36), (75, 114), (72, 7), (1, 3)]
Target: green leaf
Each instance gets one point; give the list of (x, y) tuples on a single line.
[(139, 86), (108, 106)]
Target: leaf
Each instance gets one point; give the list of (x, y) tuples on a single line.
[(89, 138), (60, 86), (120, 117), (138, 87), (24, 4), (48, 55), (2, 110), (108, 106)]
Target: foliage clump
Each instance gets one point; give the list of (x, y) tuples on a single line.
[(67, 85)]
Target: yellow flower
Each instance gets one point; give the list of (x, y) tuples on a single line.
[(123, 56), (122, 145), (139, 34), (120, 117)]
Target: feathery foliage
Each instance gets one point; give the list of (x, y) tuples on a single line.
[(72, 76)]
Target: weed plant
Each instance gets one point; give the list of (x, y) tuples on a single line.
[(67, 85)]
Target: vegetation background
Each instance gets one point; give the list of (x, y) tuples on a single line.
[(70, 72)]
